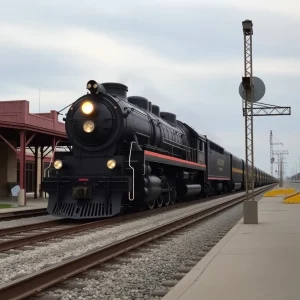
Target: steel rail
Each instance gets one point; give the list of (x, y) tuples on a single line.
[(24, 228), (40, 280), (34, 226), (56, 233), (40, 225), (8, 216)]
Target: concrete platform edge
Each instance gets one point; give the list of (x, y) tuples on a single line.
[(185, 283)]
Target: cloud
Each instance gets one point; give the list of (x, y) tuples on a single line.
[(289, 7), (79, 48), (182, 30), (24, 66), (186, 57)]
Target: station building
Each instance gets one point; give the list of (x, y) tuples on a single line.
[(27, 142)]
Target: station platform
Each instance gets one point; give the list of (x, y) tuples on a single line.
[(251, 261), (31, 203)]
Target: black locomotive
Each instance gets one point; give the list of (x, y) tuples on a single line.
[(127, 154)]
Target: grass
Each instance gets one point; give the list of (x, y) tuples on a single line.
[(5, 206)]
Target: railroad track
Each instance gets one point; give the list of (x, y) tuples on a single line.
[(23, 214), (40, 280), (25, 235), (43, 211)]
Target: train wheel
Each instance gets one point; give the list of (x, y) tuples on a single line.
[(160, 201), (173, 197), (166, 195), (151, 204), (167, 199)]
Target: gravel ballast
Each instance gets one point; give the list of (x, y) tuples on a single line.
[(137, 279), (53, 251)]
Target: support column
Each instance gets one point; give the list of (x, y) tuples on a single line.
[(3, 170), (7, 169), (22, 194), (36, 149), (42, 168), (11, 164)]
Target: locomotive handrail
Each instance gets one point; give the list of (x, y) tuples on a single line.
[(53, 151), (165, 152), (179, 144), (190, 150), (139, 110), (129, 163)]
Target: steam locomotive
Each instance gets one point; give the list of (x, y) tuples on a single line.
[(126, 153)]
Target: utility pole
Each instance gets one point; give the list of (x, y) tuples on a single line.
[(280, 161), (280, 170), (272, 144), (281, 164), (252, 89), (271, 152)]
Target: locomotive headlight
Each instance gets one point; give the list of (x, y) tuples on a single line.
[(87, 107), (88, 126), (111, 164), (58, 164)]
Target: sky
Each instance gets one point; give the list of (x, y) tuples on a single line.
[(184, 55)]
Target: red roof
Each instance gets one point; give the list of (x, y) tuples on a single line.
[(41, 128), (15, 114)]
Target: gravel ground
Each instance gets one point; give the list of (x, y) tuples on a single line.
[(28, 261), (137, 279), (26, 221)]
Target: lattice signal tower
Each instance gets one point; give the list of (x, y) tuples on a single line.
[(247, 84)]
